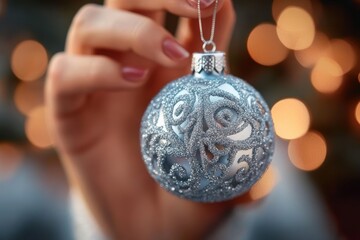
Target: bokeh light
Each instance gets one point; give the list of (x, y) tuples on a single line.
[(10, 159), (308, 152), (265, 185), (279, 5), (295, 28), (28, 95), (326, 76), (291, 118), (36, 128), (357, 112), (264, 45), (29, 60), (343, 53), (309, 56)]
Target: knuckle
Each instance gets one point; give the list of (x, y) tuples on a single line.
[(144, 24), (56, 67), (97, 69), (144, 29), (84, 16)]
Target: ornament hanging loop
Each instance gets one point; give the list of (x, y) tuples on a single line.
[(209, 46), (210, 42)]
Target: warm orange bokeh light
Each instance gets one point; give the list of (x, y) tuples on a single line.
[(29, 60), (28, 95), (295, 28), (36, 128), (308, 152), (326, 76), (357, 112), (291, 118), (343, 53), (10, 159), (309, 56), (264, 45), (265, 185), (279, 5)]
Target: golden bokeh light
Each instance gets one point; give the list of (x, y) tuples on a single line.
[(357, 112), (10, 159), (308, 152), (28, 95), (264, 45), (265, 185), (326, 76), (36, 128), (291, 118), (343, 53), (319, 48), (279, 5), (295, 28), (29, 60)]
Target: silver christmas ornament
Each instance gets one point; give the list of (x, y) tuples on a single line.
[(207, 136)]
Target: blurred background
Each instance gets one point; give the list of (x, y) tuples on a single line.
[(302, 55)]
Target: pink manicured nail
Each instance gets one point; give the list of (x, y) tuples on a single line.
[(133, 73), (174, 50), (203, 3)]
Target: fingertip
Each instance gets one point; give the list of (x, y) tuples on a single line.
[(134, 74), (174, 51)]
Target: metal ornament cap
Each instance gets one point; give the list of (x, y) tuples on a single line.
[(207, 136), (208, 63)]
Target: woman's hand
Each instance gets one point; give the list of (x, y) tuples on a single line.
[(117, 58)]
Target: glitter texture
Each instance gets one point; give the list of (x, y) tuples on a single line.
[(207, 137)]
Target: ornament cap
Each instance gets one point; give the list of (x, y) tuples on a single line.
[(208, 63)]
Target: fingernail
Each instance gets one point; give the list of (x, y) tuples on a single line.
[(174, 50), (203, 3), (133, 73)]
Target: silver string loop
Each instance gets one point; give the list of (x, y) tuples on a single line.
[(210, 42)]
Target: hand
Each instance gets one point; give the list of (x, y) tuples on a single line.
[(116, 59)]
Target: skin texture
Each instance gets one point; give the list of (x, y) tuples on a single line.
[(116, 59)]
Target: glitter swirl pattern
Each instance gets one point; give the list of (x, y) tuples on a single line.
[(207, 139)]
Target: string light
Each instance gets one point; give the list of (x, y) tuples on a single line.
[(357, 112), (291, 118), (326, 76), (29, 60), (308, 152), (309, 56), (279, 5), (264, 46), (295, 28), (265, 185), (36, 128), (343, 53), (28, 95)]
